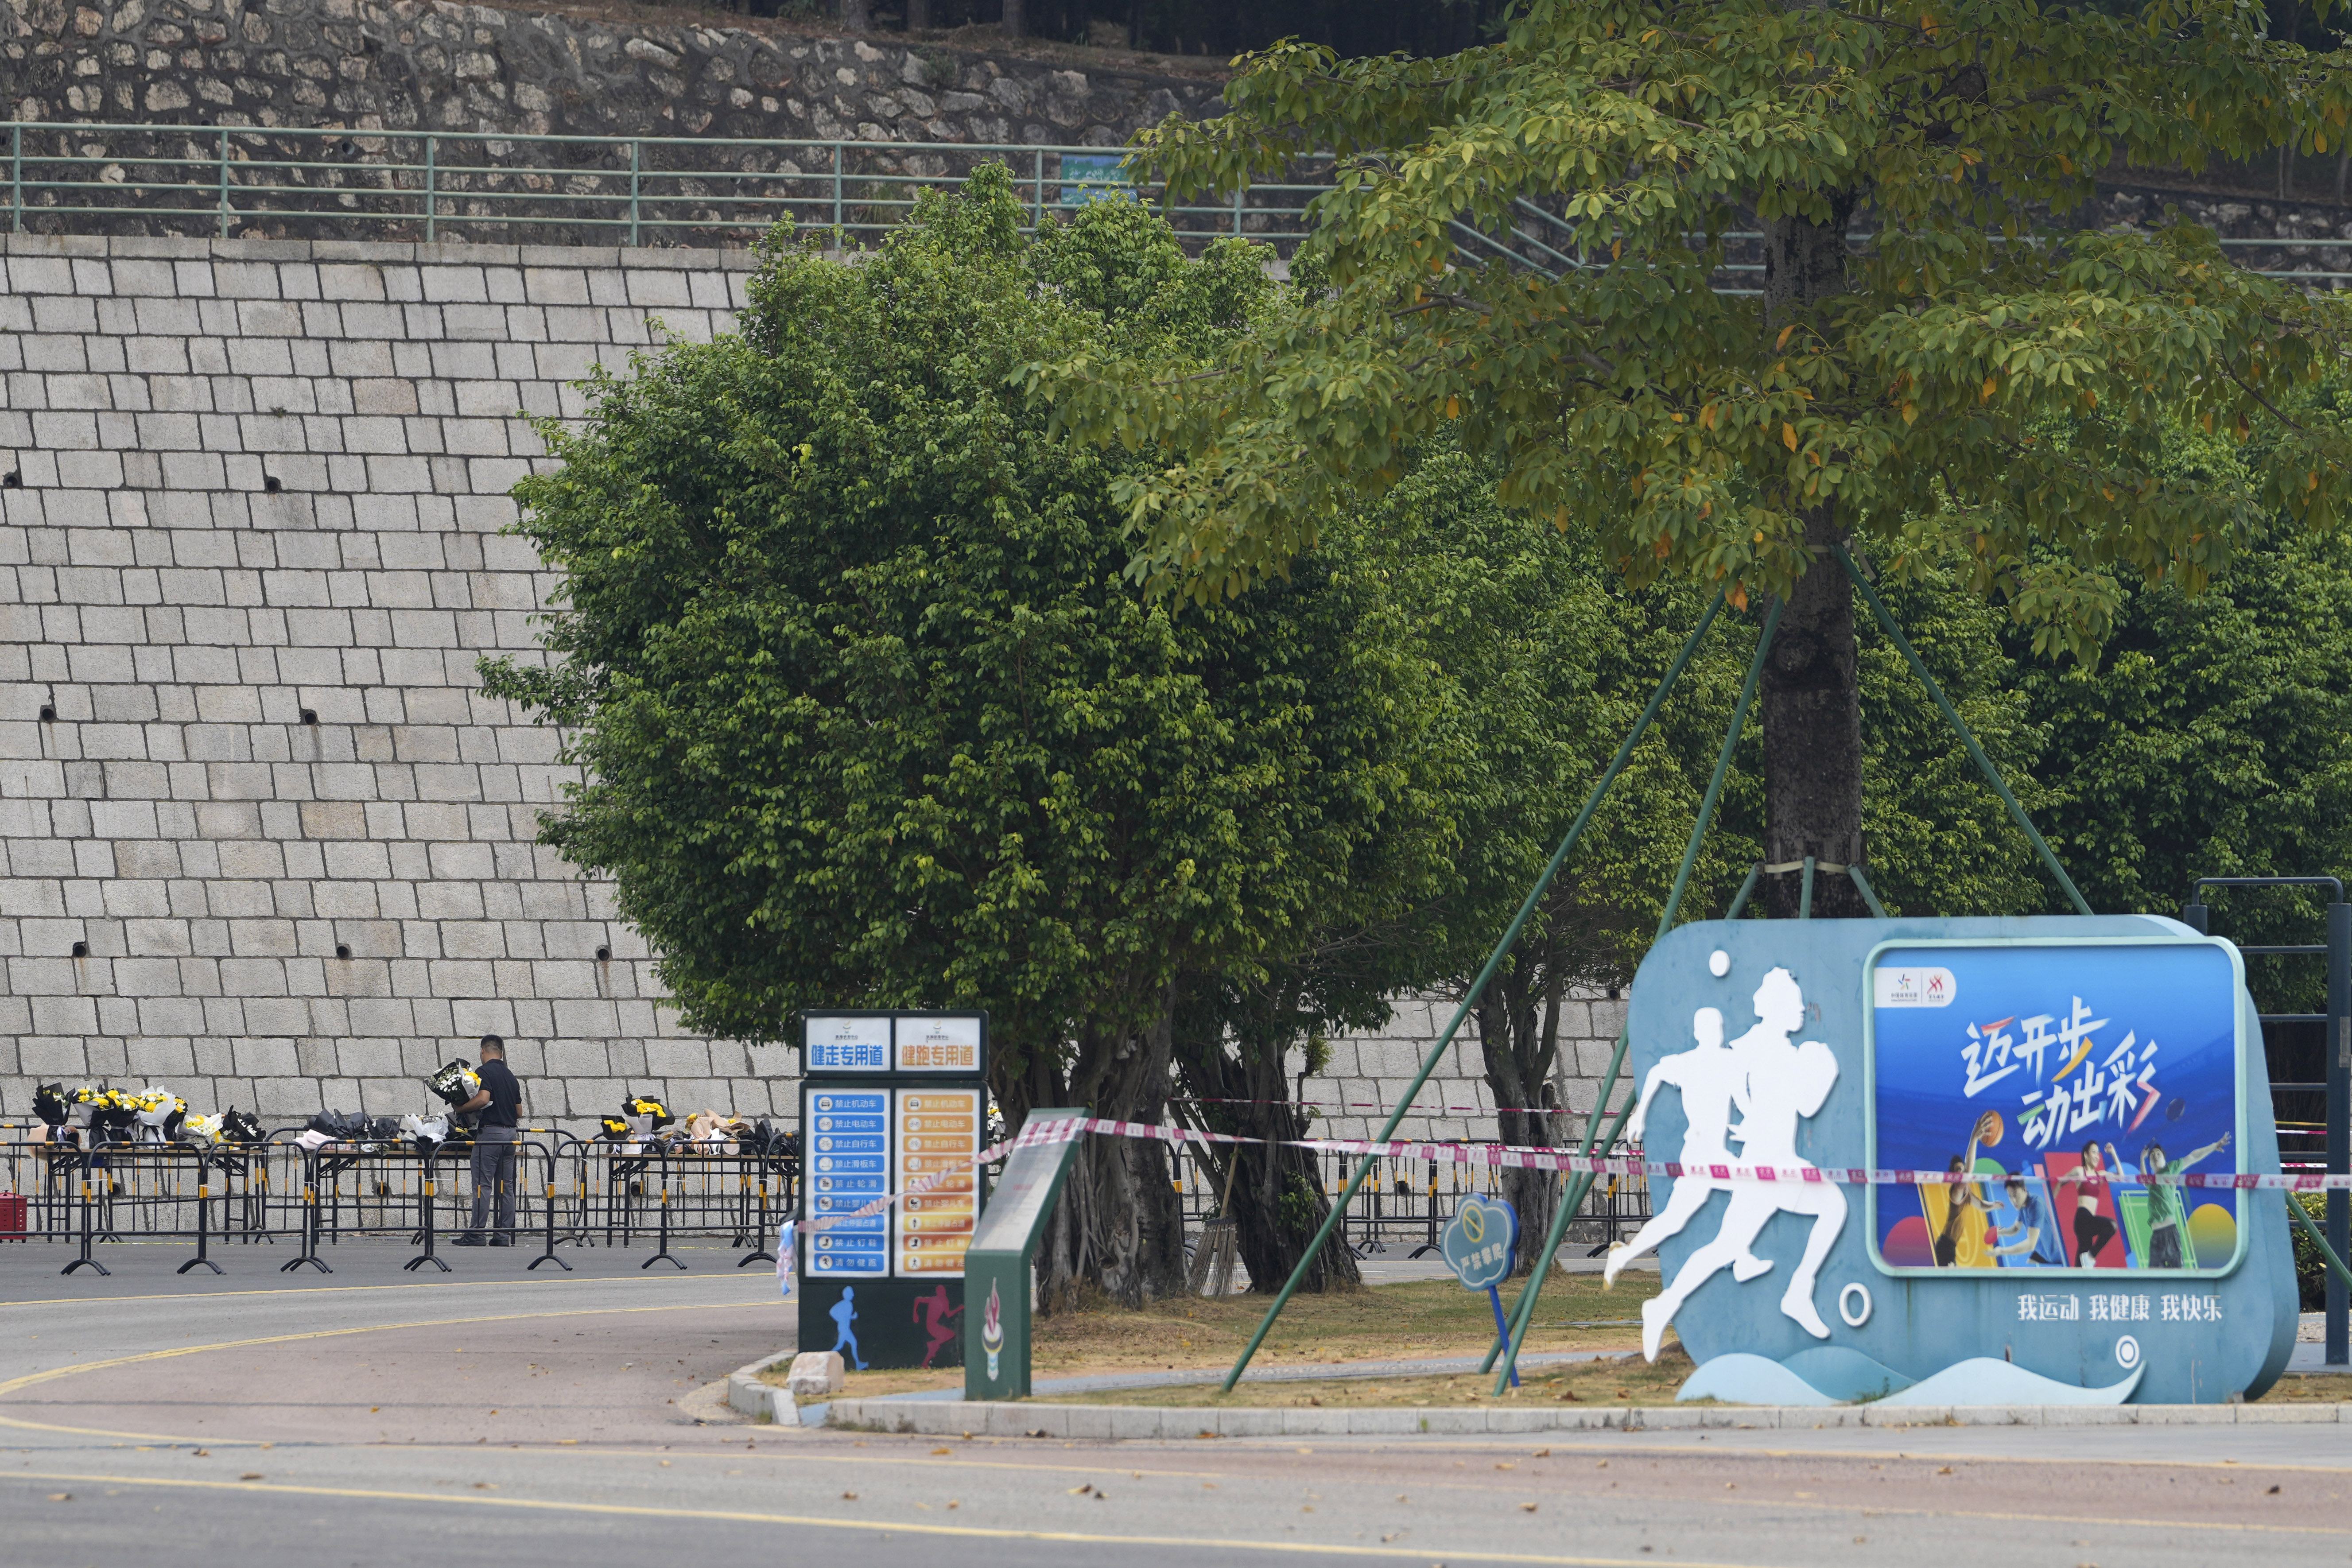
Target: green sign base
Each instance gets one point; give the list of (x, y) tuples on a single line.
[(996, 1269)]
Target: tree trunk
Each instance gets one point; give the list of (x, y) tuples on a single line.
[(856, 16), (1812, 712), (1118, 1225), (1014, 23), (1519, 1033), (1278, 1202)]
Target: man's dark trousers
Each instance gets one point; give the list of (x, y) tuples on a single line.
[(495, 1165)]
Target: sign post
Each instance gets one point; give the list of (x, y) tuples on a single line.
[(889, 1100), (1480, 1242)]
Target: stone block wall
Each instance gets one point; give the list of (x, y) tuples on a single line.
[(262, 838), (1368, 1075)]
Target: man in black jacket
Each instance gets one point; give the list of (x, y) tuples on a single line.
[(501, 1103)]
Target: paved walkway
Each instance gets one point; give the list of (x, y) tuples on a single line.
[(492, 1417)]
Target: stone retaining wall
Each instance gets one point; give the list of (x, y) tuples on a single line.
[(253, 494), (414, 65)]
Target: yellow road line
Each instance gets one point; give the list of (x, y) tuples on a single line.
[(404, 1285), (890, 1527), (17, 1384)]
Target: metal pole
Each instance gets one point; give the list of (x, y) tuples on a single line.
[(1037, 192), (432, 201), (1524, 1310), (836, 195), (1478, 987), (1239, 193), (1976, 753), (1805, 891), (224, 185), (634, 147), (2339, 1121), (1746, 891), (1862, 885), (16, 175)]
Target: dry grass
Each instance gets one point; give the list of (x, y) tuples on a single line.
[(1423, 1318), (2334, 1388), (1627, 1381)]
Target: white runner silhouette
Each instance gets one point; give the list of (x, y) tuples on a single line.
[(1710, 1090), (1774, 1085)]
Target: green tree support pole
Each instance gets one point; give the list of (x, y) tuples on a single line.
[(1524, 1310), (2302, 1216), (1478, 988), (1976, 753)]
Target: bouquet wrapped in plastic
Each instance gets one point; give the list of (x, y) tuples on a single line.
[(455, 1084), (157, 1113), (424, 1134)]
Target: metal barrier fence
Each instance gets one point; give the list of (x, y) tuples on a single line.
[(231, 181), (1406, 1203), (564, 1191), (302, 1204)]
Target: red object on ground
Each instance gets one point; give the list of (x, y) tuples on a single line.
[(12, 1215)]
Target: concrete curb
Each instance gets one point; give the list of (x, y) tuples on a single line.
[(747, 1394), (954, 1417)]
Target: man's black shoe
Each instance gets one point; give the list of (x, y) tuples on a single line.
[(467, 1241), (502, 1241)]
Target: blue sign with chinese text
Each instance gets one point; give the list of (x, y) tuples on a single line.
[(1946, 1161), (1479, 1242), (2059, 1078), (845, 1136)]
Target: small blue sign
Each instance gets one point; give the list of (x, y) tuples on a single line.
[(1478, 1247), (1479, 1241)]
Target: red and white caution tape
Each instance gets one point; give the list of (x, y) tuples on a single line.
[(1494, 1156)]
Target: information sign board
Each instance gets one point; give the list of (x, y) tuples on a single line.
[(937, 1130), (855, 1043), (2005, 1160), (945, 1044), (847, 1136), (2062, 1076)]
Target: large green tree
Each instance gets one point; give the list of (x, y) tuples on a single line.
[(1925, 324), (871, 715)]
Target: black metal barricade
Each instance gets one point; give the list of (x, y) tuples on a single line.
[(568, 1190)]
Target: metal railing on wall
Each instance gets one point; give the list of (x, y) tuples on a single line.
[(295, 183), (232, 181)]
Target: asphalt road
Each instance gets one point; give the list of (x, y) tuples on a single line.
[(492, 1417)]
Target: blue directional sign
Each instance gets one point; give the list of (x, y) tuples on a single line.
[(1479, 1242), (1477, 1245), (846, 1135)]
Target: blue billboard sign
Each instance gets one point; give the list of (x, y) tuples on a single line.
[(2057, 1078), (1942, 1162)]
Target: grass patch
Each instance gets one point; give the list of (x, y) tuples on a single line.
[(1630, 1382), (2334, 1388), (1380, 1322)]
